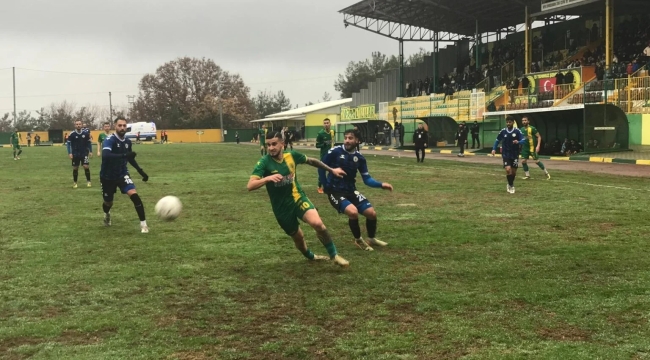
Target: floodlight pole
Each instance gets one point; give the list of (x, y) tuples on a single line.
[(527, 49), (14, 76), (436, 48), (477, 44)]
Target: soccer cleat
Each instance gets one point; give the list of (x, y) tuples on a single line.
[(107, 219), (144, 229), (74, 186), (320, 190), (340, 261), (362, 244), (15, 158), (512, 190), (376, 242), (508, 188), (526, 177), (548, 176), (89, 185), (320, 257)]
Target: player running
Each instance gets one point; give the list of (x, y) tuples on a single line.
[(103, 136), (277, 170), (116, 151), (15, 142), (511, 138), (343, 193), (534, 140), (80, 149), (324, 141), (262, 137)]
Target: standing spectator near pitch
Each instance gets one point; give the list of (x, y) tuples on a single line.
[(511, 138), (237, 137), (396, 130), (461, 137), (476, 143), (29, 139), (262, 137), (420, 139), (324, 142)]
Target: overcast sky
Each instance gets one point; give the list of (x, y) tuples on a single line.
[(299, 46)]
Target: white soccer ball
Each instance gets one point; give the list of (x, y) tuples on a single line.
[(168, 208)]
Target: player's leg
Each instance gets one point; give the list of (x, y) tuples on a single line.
[(541, 166), (307, 212), (524, 164), (86, 165), (75, 171), (424, 151), (108, 191), (299, 240), (20, 151), (365, 207), (417, 154), (127, 187)]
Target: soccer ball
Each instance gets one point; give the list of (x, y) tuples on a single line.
[(168, 208)]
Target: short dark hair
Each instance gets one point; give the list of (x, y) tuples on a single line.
[(353, 132), (326, 119), (274, 134), (76, 121), (510, 118), (119, 118), (107, 123)]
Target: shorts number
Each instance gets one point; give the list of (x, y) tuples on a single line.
[(127, 180), (334, 199), (505, 163), (304, 205), (361, 197), (86, 158)]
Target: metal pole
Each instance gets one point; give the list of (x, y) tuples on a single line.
[(436, 46), (527, 45), (110, 104), (14, 75), (478, 47), (223, 138), (401, 68)]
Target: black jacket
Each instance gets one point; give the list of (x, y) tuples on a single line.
[(420, 138)]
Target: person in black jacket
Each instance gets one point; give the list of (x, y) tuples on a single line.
[(475, 139), (420, 139), (461, 136)]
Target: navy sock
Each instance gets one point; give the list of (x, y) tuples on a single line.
[(371, 226), (75, 175), (354, 226)]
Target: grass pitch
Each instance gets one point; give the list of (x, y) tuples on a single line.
[(558, 270)]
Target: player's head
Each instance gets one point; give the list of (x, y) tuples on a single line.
[(77, 124), (84, 125), (350, 139), (525, 121), (510, 121), (120, 126), (327, 124), (274, 143), (107, 126)]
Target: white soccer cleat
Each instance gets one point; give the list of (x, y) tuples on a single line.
[(107, 219), (362, 245), (375, 242), (144, 229), (508, 188), (512, 190)]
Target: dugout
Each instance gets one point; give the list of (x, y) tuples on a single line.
[(372, 131), (441, 129), (598, 128)]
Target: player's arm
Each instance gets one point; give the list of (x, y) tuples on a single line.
[(539, 141), (68, 145), (319, 141), (496, 142), (99, 146), (257, 179), (328, 160), (521, 138), (368, 180), (90, 147), (338, 172), (130, 156)]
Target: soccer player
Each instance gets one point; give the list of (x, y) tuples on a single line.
[(324, 142), (343, 193), (80, 148), (510, 137), (262, 137), (277, 170), (15, 142), (534, 140), (117, 150), (103, 136)]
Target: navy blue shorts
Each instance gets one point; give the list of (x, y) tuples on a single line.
[(77, 160), (340, 201), (109, 187), (513, 163)]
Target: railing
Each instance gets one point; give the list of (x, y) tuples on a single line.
[(508, 72)]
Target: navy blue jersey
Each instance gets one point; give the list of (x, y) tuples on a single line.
[(506, 137), (114, 168), (79, 144), (350, 162)]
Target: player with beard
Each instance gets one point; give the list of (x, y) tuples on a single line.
[(343, 194)]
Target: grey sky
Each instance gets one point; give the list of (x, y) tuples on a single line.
[(299, 46)]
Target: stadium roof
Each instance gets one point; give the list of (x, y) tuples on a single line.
[(299, 113), (454, 19)]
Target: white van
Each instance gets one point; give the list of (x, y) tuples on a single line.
[(147, 130)]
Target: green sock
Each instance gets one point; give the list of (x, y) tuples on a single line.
[(308, 254), (541, 166), (525, 167), (331, 249), (326, 240)]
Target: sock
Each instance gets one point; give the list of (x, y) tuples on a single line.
[(354, 226), (326, 240), (262, 152), (541, 166), (87, 171), (143, 223), (14, 153), (139, 207), (308, 254), (511, 179), (75, 175), (371, 226), (20, 151), (526, 168), (106, 208)]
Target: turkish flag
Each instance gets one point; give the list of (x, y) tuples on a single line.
[(546, 84)]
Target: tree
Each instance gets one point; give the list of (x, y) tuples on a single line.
[(24, 120), (266, 103), (61, 115), (182, 91), (358, 74), (6, 123), (417, 58), (42, 122), (327, 97)]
